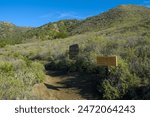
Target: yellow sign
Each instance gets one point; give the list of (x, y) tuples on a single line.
[(107, 60)]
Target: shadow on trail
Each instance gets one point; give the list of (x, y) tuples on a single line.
[(56, 73), (53, 87), (85, 84)]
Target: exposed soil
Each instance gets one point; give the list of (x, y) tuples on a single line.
[(67, 86)]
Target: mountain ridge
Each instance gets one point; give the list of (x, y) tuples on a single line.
[(125, 17)]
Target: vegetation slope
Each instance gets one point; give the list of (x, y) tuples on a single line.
[(123, 31)]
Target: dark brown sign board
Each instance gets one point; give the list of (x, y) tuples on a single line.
[(107, 60), (73, 51)]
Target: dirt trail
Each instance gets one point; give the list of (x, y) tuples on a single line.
[(61, 86)]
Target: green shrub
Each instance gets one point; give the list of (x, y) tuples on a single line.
[(38, 70), (110, 92), (17, 78), (120, 81), (6, 67)]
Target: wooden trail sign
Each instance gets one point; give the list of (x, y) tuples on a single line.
[(73, 51), (107, 60)]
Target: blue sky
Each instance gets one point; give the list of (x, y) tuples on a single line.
[(38, 12)]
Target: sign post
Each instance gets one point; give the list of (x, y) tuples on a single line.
[(107, 61), (73, 51)]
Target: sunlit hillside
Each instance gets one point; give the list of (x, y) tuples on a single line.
[(123, 31)]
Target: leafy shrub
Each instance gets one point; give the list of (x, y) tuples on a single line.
[(119, 82), (110, 92), (17, 78)]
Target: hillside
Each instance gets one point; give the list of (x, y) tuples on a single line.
[(8, 30), (122, 16), (11, 34), (123, 31), (130, 80), (50, 31)]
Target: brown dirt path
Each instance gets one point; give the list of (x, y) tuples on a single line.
[(61, 86)]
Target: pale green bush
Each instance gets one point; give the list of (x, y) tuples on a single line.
[(17, 78)]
